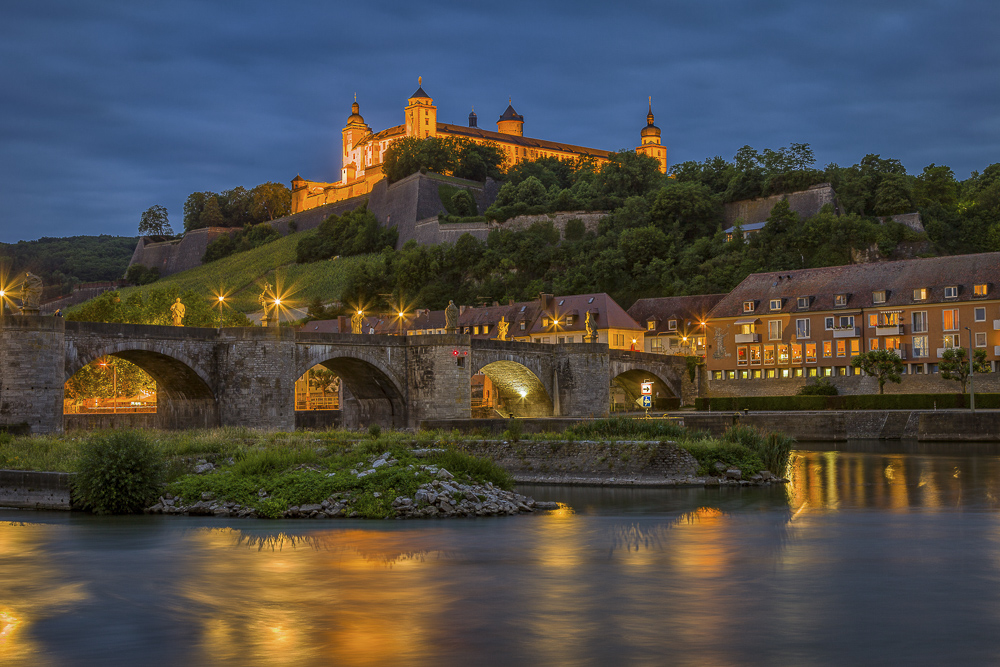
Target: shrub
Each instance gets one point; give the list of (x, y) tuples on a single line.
[(631, 429), (514, 430), (772, 449), (120, 473), (823, 387), (374, 431)]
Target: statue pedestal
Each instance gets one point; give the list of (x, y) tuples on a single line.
[(263, 321), (451, 330), (30, 311), (590, 339)]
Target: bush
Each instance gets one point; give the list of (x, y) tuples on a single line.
[(374, 431), (120, 473), (772, 449), (514, 429), (628, 428), (823, 387), (138, 274)]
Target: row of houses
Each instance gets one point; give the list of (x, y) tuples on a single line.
[(772, 326)]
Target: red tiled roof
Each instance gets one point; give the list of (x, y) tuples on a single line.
[(605, 312), (686, 310), (859, 281)]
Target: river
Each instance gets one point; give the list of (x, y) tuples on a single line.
[(866, 557)]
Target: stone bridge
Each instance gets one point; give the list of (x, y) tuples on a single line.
[(245, 376)]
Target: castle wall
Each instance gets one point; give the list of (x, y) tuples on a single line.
[(176, 256), (806, 203)]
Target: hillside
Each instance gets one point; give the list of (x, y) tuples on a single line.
[(69, 259), (241, 275)]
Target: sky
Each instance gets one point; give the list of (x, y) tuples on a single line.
[(111, 107)]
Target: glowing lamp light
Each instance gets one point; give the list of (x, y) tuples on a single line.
[(523, 393), (221, 298), (360, 312), (277, 302), (401, 315)]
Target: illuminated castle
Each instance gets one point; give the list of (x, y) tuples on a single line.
[(363, 150)]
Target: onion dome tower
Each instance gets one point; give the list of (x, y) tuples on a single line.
[(421, 114), (472, 118), (650, 144), (510, 121)]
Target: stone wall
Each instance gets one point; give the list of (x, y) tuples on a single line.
[(851, 385), (31, 372), (179, 255), (35, 490), (93, 422), (806, 203)]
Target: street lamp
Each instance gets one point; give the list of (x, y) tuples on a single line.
[(114, 384), (972, 370), (222, 302), (400, 319)]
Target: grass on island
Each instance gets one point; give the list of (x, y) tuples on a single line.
[(308, 467)]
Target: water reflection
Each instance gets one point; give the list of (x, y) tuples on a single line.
[(860, 549)]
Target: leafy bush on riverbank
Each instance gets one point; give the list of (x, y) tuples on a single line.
[(119, 473), (744, 447)]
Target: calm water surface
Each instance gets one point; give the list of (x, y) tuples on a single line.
[(866, 558)]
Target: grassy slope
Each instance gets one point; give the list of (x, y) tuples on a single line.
[(241, 275)]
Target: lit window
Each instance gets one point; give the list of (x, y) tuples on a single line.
[(873, 319), (840, 300), (475, 330), (920, 294), (545, 321), (979, 290), (755, 356), (650, 325), (811, 353), (782, 353), (748, 306), (951, 292), (775, 304), (950, 319), (980, 314), (741, 356), (486, 328), (878, 296), (841, 348), (827, 348), (769, 355), (873, 343), (803, 302)]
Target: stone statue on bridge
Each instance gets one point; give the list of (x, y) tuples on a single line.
[(357, 322), (263, 301), (502, 326), (178, 311), (451, 318), (31, 294), (591, 332)]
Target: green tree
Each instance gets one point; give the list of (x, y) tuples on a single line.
[(269, 201), (883, 365), (101, 378), (211, 215), (463, 203), (193, 208), (893, 195), (955, 365), (153, 222)]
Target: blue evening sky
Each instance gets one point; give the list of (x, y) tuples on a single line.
[(112, 106)]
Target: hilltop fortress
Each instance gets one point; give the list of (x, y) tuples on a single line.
[(363, 150)]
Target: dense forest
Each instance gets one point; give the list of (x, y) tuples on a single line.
[(62, 262), (663, 235)]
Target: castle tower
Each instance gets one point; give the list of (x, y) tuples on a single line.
[(472, 118), (355, 130), (511, 122), (421, 114), (651, 141)]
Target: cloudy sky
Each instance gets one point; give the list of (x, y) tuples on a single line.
[(110, 107)]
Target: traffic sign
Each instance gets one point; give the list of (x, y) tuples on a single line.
[(646, 388), (647, 401)]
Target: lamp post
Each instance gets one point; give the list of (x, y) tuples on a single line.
[(400, 328), (972, 371), (114, 385), (222, 302)]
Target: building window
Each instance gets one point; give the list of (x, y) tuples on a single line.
[(672, 325), (873, 343), (827, 349), (782, 353), (656, 345), (920, 321), (748, 306), (950, 319), (892, 343), (802, 328), (803, 302), (951, 292), (768, 355), (840, 300), (775, 304), (980, 314), (872, 320), (811, 352), (841, 348), (855, 347), (486, 328), (732, 375), (769, 373), (650, 325), (755, 356), (979, 290), (828, 322), (878, 296), (618, 340), (756, 374), (980, 339), (523, 324), (716, 375), (796, 353), (475, 330), (952, 341), (920, 294), (774, 330), (920, 348), (847, 321), (545, 321), (741, 356)]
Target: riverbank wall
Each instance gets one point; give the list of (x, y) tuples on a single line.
[(834, 426), (23, 489)]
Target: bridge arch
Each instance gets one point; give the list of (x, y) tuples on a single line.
[(184, 394), (629, 378), (371, 395), (519, 390)]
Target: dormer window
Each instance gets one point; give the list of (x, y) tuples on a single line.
[(951, 292), (979, 290), (748, 306), (486, 328), (840, 300), (775, 304), (523, 324), (545, 321), (803, 303), (920, 294), (672, 325), (650, 325), (878, 296)]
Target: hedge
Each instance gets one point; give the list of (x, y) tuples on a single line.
[(858, 402)]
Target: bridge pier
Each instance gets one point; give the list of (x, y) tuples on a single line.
[(31, 373)]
